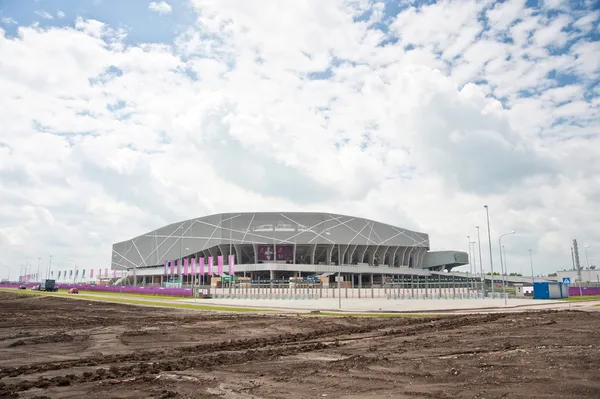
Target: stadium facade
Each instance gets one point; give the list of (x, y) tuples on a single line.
[(274, 245)]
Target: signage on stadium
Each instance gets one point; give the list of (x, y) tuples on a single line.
[(281, 227)]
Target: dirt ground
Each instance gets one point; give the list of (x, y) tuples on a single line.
[(65, 348)]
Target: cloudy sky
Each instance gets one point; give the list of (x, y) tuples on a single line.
[(117, 117)]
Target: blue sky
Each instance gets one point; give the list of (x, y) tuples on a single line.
[(142, 24)]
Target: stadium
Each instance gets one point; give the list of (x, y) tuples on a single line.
[(277, 246)]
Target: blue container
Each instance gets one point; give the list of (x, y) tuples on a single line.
[(550, 290)]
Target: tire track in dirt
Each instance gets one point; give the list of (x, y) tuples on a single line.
[(207, 356)]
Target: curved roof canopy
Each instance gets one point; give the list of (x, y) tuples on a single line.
[(301, 228)]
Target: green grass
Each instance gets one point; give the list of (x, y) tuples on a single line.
[(132, 301), (378, 315), (107, 294), (171, 305), (118, 294), (583, 298)]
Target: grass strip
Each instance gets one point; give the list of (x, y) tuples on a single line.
[(582, 298), (378, 315), (129, 294), (132, 301)]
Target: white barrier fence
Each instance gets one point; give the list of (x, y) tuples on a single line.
[(316, 292)]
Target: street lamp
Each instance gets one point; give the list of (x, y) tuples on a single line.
[(474, 262), (531, 262), (587, 260), (470, 259), (75, 266), (502, 265), (487, 213), (480, 259)]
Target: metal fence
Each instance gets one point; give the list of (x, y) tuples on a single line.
[(396, 291)]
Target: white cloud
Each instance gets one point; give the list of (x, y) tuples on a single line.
[(44, 14), (8, 20), (60, 14), (300, 108), (161, 7)]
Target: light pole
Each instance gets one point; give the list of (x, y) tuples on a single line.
[(75, 266), (502, 265), (470, 259), (587, 260), (531, 263), (480, 259), (487, 213), (49, 268), (37, 276), (474, 263), (505, 264)]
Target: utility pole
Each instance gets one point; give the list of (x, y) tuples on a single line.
[(531, 262), (487, 212)]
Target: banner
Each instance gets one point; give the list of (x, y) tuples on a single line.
[(106, 272), (114, 273), (99, 274), (265, 252), (284, 252), (210, 265), (83, 273), (179, 267), (166, 267), (231, 264), (193, 266), (220, 265), (172, 268), (91, 273), (201, 266), (185, 266)]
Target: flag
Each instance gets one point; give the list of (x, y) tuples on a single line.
[(106, 272), (210, 265), (91, 273), (178, 267), (114, 273), (193, 266), (201, 266), (231, 264), (172, 268), (166, 267), (99, 273), (220, 265), (185, 266)]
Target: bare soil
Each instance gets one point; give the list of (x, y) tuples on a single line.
[(66, 348)]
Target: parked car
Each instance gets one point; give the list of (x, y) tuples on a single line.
[(73, 291), (22, 287), (35, 288)]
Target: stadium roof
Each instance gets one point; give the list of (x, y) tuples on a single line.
[(279, 228)]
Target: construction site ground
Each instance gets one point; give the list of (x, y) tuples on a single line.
[(59, 347)]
